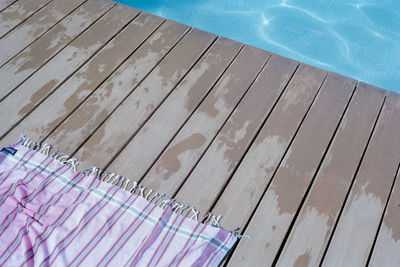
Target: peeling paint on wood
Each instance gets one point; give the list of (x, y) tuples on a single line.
[(268, 148), (190, 118), (387, 247), (34, 27), (38, 53), (225, 96), (219, 161), (18, 12), (161, 126), (292, 178), (148, 95), (5, 3), (43, 82), (71, 93), (363, 210), (317, 218), (104, 100)]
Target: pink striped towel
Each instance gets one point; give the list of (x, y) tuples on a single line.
[(51, 214)]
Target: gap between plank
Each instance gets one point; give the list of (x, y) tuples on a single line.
[(313, 178), (222, 126), (383, 216), (276, 169), (8, 6), (69, 76), (352, 182), (22, 21), (101, 83), (58, 52), (46, 31), (253, 139), (141, 81), (124, 98), (179, 128), (162, 101)]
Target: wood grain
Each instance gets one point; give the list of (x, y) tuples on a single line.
[(143, 65), (315, 222), (257, 167), (221, 159), (387, 247), (34, 27), (170, 170), (18, 12), (40, 123), (5, 3), (279, 204), (27, 96), (40, 52), (303, 163), (112, 135), (365, 205)]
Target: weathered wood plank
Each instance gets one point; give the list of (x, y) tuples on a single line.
[(171, 169), (279, 204), (18, 12), (260, 162), (40, 52), (34, 27), (310, 233), (355, 232), (217, 165), (117, 130), (144, 67), (5, 3), (27, 96), (387, 247), (76, 89), (180, 111)]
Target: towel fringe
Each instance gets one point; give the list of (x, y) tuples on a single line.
[(236, 234), (119, 180)]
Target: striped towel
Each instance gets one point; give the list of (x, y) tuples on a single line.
[(50, 214)]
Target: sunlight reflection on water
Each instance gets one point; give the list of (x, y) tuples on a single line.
[(356, 38)]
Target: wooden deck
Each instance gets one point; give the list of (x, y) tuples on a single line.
[(303, 160)]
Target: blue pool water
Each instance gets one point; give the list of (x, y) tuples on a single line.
[(356, 38)]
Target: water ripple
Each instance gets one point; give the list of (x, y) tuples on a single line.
[(356, 38)]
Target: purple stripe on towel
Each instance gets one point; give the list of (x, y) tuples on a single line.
[(55, 215)]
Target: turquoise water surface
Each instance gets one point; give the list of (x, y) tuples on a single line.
[(359, 39)]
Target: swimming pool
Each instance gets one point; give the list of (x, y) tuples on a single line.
[(356, 38)]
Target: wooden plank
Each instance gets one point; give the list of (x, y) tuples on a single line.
[(310, 233), (217, 165), (387, 247), (5, 4), (279, 204), (27, 96), (76, 89), (145, 66), (257, 167), (172, 167), (40, 52), (34, 27), (355, 232), (184, 99), (18, 12)]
